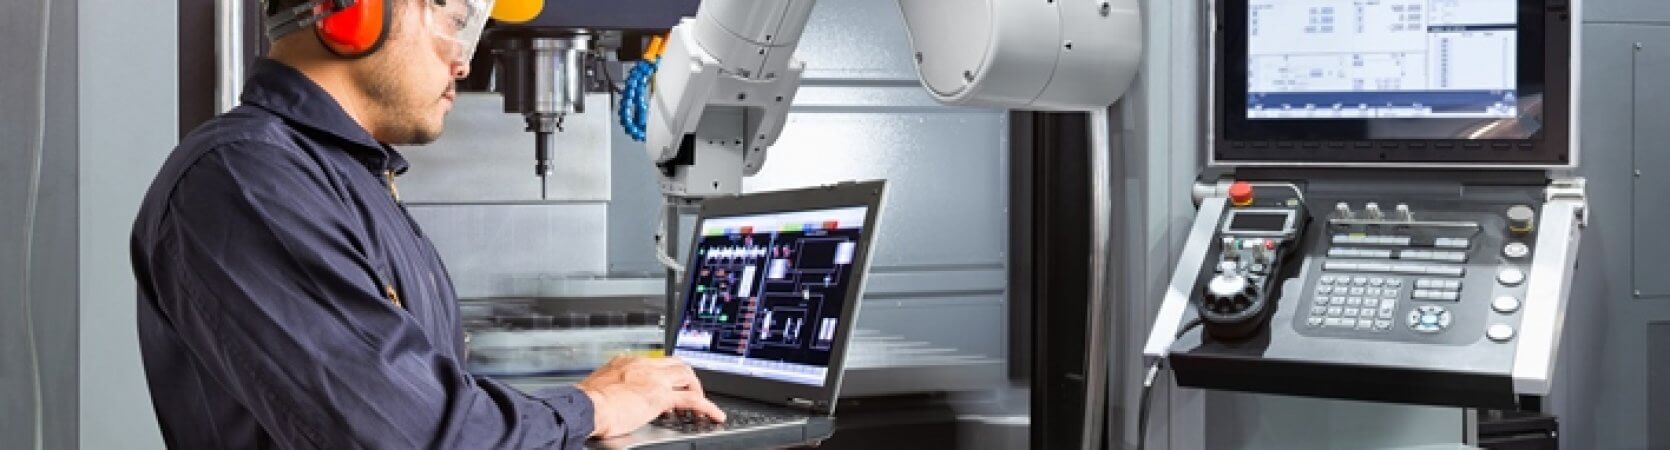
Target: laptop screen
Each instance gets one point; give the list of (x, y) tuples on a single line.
[(766, 292)]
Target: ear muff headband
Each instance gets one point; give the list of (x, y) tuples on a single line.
[(357, 30)]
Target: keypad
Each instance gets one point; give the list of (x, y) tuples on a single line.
[(1352, 302)]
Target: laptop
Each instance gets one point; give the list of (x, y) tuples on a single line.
[(769, 297)]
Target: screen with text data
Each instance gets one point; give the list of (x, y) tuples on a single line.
[(1326, 59)]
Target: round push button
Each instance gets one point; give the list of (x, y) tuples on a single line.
[(1241, 193), (1510, 276), (1506, 304), (1516, 250), (1499, 332)]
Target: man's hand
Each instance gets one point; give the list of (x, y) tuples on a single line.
[(630, 391)]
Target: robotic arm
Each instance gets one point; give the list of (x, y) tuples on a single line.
[(728, 75)]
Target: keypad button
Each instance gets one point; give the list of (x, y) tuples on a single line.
[(1319, 310), (1314, 322), (1429, 319), (1336, 310), (1449, 271), (1359, 281), (1382, 325), (1506, 304), (1354, 301), (1371, 302), (1499, 332)]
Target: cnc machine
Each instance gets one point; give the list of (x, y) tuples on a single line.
[(1388, 214)]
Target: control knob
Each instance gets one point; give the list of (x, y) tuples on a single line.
[(1228, 293), (1521, 219), (1342, 210), (1404, 214), (1371, 211)]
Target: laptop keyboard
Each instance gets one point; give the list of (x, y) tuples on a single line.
[(735, 418)]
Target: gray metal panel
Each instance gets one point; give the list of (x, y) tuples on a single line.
[(513, 250), (1621, 423), (1634, 11), (634, 203), (945, 172), (128, 126), (1650, 127), (1658, 376), (856, 40), (485, 156), (22, 403), (1253, 421), (58, 323), (963, 323)]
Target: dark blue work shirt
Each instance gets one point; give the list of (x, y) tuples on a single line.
[(287, 300)]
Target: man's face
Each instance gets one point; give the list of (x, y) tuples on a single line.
[(410, 80)]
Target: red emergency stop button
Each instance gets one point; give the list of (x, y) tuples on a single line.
[(1240, 193)]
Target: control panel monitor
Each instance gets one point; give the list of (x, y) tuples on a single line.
[(1395, 82)]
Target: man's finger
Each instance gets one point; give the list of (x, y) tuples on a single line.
[(700, 405)]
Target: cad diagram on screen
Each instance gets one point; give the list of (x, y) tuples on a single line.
[(1310, 59), (767, 291)]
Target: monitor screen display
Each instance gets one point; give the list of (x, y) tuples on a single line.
[(765, 293), (1260, 221), (1401, 59)]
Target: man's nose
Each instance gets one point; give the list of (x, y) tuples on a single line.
[(460, 70)]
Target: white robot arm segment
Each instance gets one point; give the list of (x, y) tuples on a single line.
[(726, 81), (1062, 55), (722, 93)]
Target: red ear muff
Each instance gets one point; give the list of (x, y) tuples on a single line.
[(357, 30)]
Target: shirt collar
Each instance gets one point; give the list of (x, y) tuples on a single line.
[(288, 93)]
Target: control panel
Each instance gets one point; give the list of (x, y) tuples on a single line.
[(1422, 296), (1257, 241), (1433, 273)]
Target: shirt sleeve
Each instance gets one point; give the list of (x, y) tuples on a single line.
[(262, 271)]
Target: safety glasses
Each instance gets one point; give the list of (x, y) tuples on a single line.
[(459, 22)]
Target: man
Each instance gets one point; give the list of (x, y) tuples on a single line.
[(287, 300)]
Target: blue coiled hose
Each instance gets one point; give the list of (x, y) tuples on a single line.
[(634, 99)]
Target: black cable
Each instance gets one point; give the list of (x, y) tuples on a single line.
[(1187, 326), (1142, 408)]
